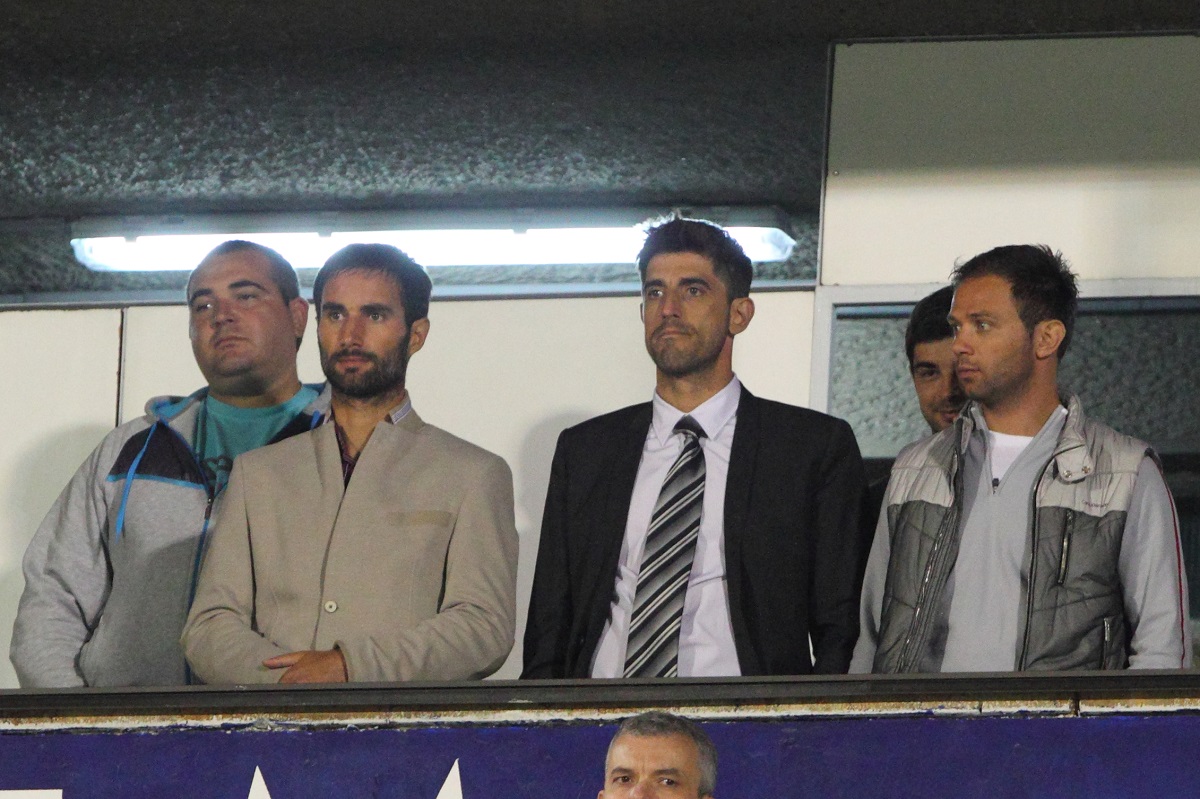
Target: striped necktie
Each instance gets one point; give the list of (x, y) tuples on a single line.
[(653, 646)]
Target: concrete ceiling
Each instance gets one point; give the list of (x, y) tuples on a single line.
[(34, 30), (132, 106)]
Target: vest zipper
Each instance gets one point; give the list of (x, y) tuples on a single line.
[(1033, 515), (1108, 622), (949, 521), (1066, 546)]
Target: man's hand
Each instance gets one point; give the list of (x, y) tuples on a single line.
[(311, 665)]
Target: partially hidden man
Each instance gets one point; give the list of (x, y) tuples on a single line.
[(929, 346), (706, 532), (1026, 536), (111, 571), (376, 547)]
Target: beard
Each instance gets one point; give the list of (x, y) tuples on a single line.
[(678, 356), (384, 375), (1004, 379)]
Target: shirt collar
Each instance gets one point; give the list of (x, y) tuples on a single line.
[(400, 411), (712, 414), (394, 415)]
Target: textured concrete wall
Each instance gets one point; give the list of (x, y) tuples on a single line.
[(343, 128)]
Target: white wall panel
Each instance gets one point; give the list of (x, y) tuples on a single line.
[(772, 357), (59, 389), (939, 151)]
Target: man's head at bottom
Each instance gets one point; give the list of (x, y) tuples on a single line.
[(657, 755)]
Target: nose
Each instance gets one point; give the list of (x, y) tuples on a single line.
[(954, 389), (670, 304), (642, 791), (222, 311), (351, 331), (961, 346)]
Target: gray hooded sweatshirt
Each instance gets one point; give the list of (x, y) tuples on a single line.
[(110, 573)]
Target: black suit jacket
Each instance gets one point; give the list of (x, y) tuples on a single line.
[(794, 541)]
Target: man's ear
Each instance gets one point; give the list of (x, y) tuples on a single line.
[(1048, 336), (416, 335), (741, 311), (298, 308)]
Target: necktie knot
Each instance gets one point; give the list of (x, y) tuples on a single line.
[(689, 427)]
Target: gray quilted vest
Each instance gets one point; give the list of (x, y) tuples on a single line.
[(1072, 612)]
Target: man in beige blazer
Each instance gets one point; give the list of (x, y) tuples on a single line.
[(376, 547)]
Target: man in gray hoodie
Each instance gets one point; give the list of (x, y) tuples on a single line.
[(111, 571)]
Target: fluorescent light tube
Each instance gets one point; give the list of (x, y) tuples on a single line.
[(434, 247)]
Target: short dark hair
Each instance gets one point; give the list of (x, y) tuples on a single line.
[(928, 322), (283, 275), (678, 234), (414, 283), (656, 723), (1042, 283)]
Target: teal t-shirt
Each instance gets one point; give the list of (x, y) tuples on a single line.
[(224, 431)]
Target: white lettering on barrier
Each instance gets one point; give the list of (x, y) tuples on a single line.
[(451, 788)]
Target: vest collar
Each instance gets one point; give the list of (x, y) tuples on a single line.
[(1072, 459)]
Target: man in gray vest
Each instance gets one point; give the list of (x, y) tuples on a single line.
[(1026, 536)]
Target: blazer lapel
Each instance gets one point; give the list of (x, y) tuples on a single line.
[(614, 492), (328, 457), (739, 487), (622, 474)]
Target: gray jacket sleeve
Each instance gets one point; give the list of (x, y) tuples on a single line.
[(1152, 576), (66, 581), (871, 602)]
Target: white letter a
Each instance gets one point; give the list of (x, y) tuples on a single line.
[(451, 788), (258, 788)]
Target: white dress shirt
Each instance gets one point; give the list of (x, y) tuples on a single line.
[(706, 647)]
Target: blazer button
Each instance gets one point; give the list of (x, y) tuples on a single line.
[(330, 606)]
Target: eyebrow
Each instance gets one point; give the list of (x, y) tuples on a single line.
[(686, 281), (237, 284), (241, 284), (617, 771), (369, 308)]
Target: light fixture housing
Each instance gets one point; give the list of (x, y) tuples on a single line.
[(522, 237)]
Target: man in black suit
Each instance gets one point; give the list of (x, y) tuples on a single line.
[(708, 532)]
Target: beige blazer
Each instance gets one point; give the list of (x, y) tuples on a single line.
[(410, 570)]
